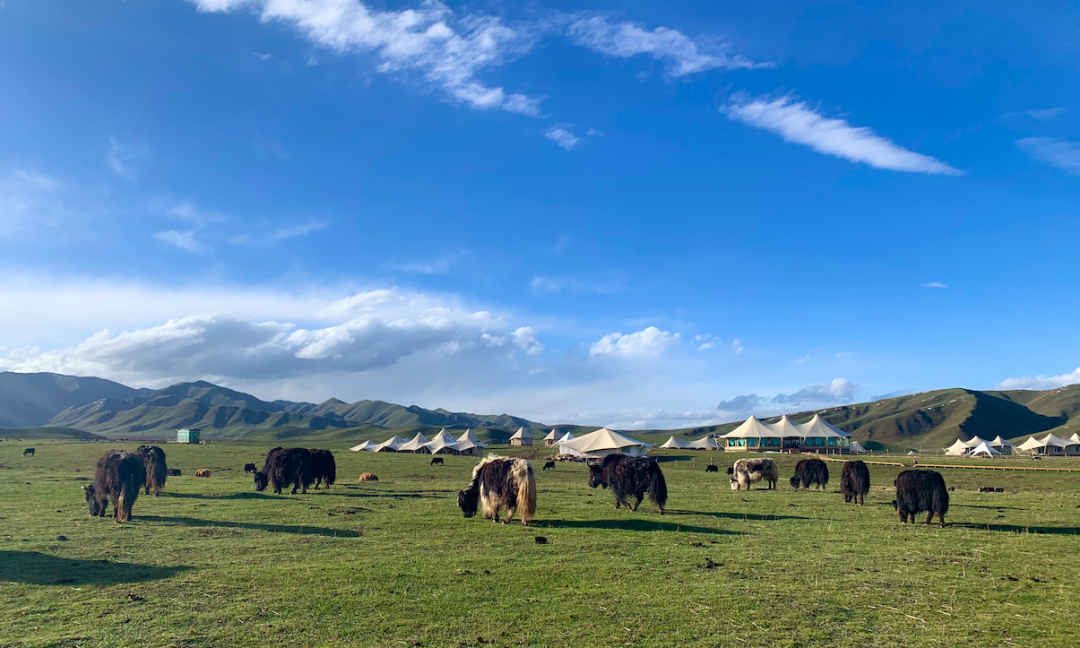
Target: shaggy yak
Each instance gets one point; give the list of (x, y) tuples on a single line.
[(117, 480), (436, 460), (714, 469), (286, 466), (324, 467), (153, 459), (855, 482), (250, 468), (174, 472), (500, 483), (202, 472), (630, 477), (366, 477), (549, 465), (810, 471), (921, 490), (29, 452), (749, 471)]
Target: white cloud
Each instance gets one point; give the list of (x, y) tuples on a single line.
[(1044, 114), (121, 159), (839, 390), (447, 50), (312, 61), (705, 346), (648, 342), (737, 346), (1040, 382), (436, 266), (525, 339), (28, 200), (185, 240), (605, 285), (682, 54), (282, 233), (796, 122), (1062, 154), (263, 57), (740, 405), (936, 284), (802, 360), (562, 137)]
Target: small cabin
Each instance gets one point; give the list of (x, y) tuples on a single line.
[(521, 438), (187, 436)]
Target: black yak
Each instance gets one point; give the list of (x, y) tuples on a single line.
[(855, 481), (436, 460), (500, 483), (286, 466), (710, 469), (117, 480), (630, 477), (250, 468), (153, 459), (750, 471), (549, 465), (810, 471), (324, 467), (174, 472), (921, 490), (29, 452)]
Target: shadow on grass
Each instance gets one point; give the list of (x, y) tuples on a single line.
[(996, 508), (757, 517), (36, 568), (222, 497), (628, 525), (272, 528), (1016, 528)]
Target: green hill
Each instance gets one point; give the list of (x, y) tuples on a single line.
[(49, 433), (30, 400)]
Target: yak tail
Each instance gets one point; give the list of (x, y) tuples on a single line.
[(657, 488), (331, 473), (526, 490), (941, 498), (129, 492)]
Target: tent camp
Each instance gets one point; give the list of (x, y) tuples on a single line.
[(521, 438), (959, 448), (366, 445), (1051, 445), (983, 450), (602, 443), (443, 443), (1002, 446), (704, 443), (675, 444), (390, 445), (417, 445), (752, 434)]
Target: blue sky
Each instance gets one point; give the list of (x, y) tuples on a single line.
[(629, 214)]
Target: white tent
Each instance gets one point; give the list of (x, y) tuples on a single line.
[(440, 444), (471, 438), (1075, 437), (602, 443), (567, 437), (704, 443), (366, 445), (1048, 441), (983, 450), (785, 428), (522, 433), (857, 448), (819, 427), (752, 428), (552, 438), (1000, 443), (675, 444), (961, 447), (444, 437), (390, 445), (418, 444)]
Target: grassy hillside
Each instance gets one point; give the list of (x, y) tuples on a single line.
[(48, 433), (390, 415), (30, 400)]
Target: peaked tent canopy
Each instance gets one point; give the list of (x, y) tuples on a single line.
[(552, 436), (1048, 440), (363, 446), (567, 437), (1075, 437), (983, 450), (471, 438), (673, 443), (819, 427), (417, 444), (752, 428), (522, 433), (857, 448), (704, 443), (1000, 443), (443, 436), (440, 443), (785, 428), (390, 445), (601, 443)]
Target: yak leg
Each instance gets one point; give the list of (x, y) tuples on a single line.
[(941, 518), (509, 514), (638, 503)]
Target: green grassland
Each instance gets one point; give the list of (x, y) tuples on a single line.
[(393, 563)]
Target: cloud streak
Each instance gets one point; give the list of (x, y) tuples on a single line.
[(1062, 154), (1040, 382), (647, 342), (798, 123)]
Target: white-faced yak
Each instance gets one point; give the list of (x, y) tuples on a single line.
[(500, 483), (117, 480), (810, 471), (324, 467), (855, 482), (750, 471), (153, 459), (286, 466), (921, 490), (630, 477)]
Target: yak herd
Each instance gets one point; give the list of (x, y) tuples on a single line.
[(504, 483)]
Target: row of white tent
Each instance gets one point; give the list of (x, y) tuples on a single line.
[(816, 427), (1049, 444), (443, 443), (1053, 444)]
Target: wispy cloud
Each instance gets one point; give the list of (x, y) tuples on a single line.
[(935, 284), (1045, 114), (263, 57), (839, 390), (438, 265), (563, 137), (1040, 382), (798, 123), (679, 52), (1062, 154), (743, 404), (28, 200), (648, 342), (446, 49), (802, 360), (282, 233), (607, 285), (737, 346), (183, 239), (121, 159)]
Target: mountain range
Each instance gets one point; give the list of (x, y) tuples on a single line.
[(73, 406)]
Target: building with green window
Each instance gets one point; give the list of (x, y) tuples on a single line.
[(187, 436)]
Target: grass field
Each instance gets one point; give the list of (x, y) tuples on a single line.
[(393, 563)]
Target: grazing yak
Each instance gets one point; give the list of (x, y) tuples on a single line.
[(324, 467), (286, 466), (921, 490), (500, 483), (153, 459), (630, 477), (366, 477), (29, 452), (710, 469), (250, 468), (750, 471), (117, 480), (202, 472), (549, 465), (810, 471), (855, 482), (436, 460), (174, 472)]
